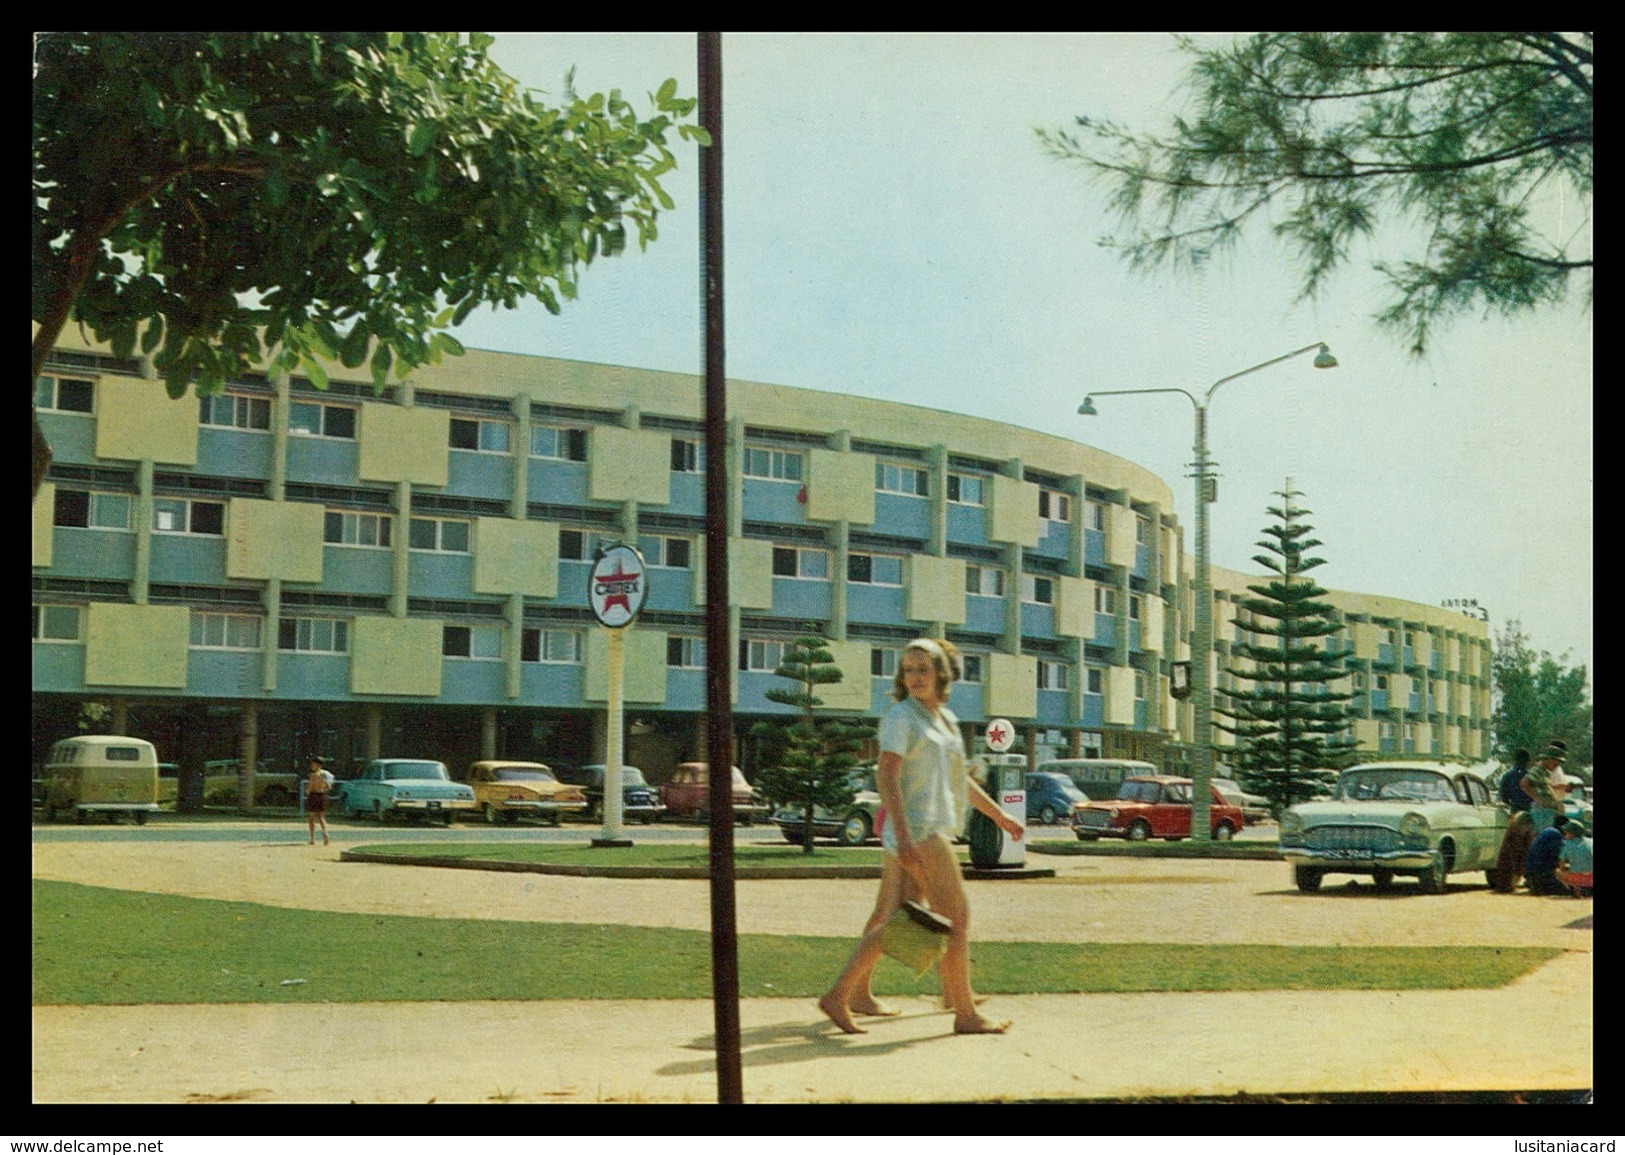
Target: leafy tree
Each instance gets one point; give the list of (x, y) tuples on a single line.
[(1290, 725), (1538, 698), (818, 754), (210, 198), (1444, 137)]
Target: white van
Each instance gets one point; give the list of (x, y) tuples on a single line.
[(1099, 778), (101, 774)]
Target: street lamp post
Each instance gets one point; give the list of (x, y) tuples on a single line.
[(1202, 647)]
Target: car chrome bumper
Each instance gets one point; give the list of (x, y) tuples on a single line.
[(543, 807), (1359, 859), (435, 804), (150, 807)]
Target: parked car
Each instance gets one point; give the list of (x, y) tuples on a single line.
[(1427, 819), (852, 825), (1052, 797), (101, 774), (1255, 808), (688, 795), (271, 787), (638, 799), (409, 786), (1153, 806), (508, 791)]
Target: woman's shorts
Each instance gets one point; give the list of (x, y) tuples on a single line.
[(316, 803)]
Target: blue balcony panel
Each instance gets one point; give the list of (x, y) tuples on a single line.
[(685, 689), (984, 615), (967, 524), (1142, 559), (324, 677), (574, 577), (487, 475), (965, 700), (753, 687), (903, 516), (355, 570), (1037, 621), (556, 482), (687, 493), (234, 452), (72, 437), (1379, 701), (1105, 630), (1142, 715), (551, 684), (322, 461), (800, 598), (779, 501), (58, 666), (473, 681), (196, 559), (225, 673), (1094, 547), (1094, 710), (108, 554), (868, 603), (1385, 654), (1054, 708), (670, 589), (1055, 540), (881, 700), (440, 575), (1133, 634), (1409, 655)]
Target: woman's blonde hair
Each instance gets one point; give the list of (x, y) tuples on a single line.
[(945, 658)]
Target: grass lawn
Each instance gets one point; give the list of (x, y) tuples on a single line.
[(94, 945)]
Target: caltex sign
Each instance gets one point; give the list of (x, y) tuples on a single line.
[(617, 586)]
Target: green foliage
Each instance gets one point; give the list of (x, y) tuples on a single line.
[(1451, 142), (212, 199), (1291, 725), (816, 755), (1538, 698)]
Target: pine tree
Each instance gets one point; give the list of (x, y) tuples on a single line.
[(818, 754), (1290, 724)]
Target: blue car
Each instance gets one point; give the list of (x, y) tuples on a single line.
[(1051, 797)]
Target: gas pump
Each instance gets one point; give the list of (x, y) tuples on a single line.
[(1006, 783)]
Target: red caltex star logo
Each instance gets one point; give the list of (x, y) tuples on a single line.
[(995, 733), (616, 588)]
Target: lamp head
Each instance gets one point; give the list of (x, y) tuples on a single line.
[(1324, 359), (1087, 409)]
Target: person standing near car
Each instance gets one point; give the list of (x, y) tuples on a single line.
[(317, 786), (1515, 841), (1546, 785), (923, 783)]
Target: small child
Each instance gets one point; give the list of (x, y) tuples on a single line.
[(1574, 860)]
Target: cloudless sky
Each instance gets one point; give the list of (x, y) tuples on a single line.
[(893, 229)]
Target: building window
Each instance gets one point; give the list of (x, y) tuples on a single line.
[(314, 635), (973, 668), (56, 623), (965, 489), (481, 436), (437, 536), (1054, 505), (577, 545), (558, 443), (1382, 683), (63, 394), (183, 515), (984, 581), (760, 657), (1142, 529), (1135, 603), (225, 631), (1386, 731), (874, 569), (1052, 675), (558, 647), (1142, 685), (234, 411), (1038, 590), (687, 456), (794, 562), (1106, 599), (685, 653), (365, 529), (882, 662), (772, 464), (75, 507), (906, 479), (317, 419), (1094, 680), (1094, 515), (482, 642), (668, 552)]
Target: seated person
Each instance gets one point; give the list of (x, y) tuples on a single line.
[(1540, 866), (1574, 860)]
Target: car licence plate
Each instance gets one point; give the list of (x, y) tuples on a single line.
[(1343, 854), (433, 804)]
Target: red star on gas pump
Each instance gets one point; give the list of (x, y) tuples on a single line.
[(995, 734)]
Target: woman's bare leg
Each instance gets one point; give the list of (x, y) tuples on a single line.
[(945, 889)]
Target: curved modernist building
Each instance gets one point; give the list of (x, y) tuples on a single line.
[(280, 569)]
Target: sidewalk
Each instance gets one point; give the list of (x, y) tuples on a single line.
[(1061, 1047)]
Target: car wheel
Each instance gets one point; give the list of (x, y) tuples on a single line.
[(791, 835), (446, 818), (855, 830), (1308, 878), (81, 816), (1139, 831), (648, 819), (490, 812), (378, 812), (1432, 879), (1224, 833), (1084, 836), (140, 817), (1384, 879)]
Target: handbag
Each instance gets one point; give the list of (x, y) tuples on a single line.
[(916, 937)]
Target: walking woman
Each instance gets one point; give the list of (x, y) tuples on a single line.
[(924, 787)]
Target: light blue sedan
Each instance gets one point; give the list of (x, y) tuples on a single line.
[(407, 786)]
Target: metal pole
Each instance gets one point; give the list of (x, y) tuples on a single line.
[(617, 718), (718, 658), (1201, 672)]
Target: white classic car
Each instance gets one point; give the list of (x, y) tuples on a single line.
[(1428, 819)]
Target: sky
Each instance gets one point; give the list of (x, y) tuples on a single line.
[(893, 229)]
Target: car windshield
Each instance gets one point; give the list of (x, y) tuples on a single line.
[(1137, 792), (1394, 785), (414, 771), (632, 776), (508, 774)]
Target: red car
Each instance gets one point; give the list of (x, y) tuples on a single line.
[(1153, 806), (688, 795)]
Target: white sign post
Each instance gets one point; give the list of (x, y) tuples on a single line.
[(616, 589)]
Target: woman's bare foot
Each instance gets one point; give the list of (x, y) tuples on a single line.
[(977, 1025), (839, 1015), (976, 1000), (866, 1005)]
